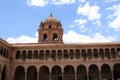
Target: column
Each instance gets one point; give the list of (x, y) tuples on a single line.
[(62, 75), (112, 74), (75, 74), (25, 75), (37, 75), (100, 75)]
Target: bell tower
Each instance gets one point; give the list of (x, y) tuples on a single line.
[(50, 31)]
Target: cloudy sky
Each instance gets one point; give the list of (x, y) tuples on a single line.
[(83, 21)]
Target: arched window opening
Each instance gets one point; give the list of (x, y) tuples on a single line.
[(31, 73), (44, 73), (69, 73), (50, 27), (56, 73), (113, 53), (53, 54), (106, 72), (77, 53), (18, 55), (84, 54), (29, 54), (89, 54), (4, 72), (95, 53), (118, 52), (101, 53), (4, 53), (107, 53), (35, 54), (55, 37), (81, 72), (41, 55), (23, 55), (47, 54), (116, 71), (20, 73), (1, 51), (65, 53), (71, 54), (94, 72), (45, 37), (59, 54)]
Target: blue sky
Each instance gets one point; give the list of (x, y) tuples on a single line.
[(83, 21)]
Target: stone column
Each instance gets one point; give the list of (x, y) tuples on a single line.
[(100, 74), (75, 74), (26, 75), (38, 75)]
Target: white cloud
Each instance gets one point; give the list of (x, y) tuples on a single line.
[(61, 2), (24, 39), (90, 11), (80, 21), (73, 37), (37, 3), (115, 23), (81, 0)]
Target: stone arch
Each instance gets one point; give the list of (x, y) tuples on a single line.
[(29, 54), (71, 53), (106, 72), (65, 54), (101, 53), (56, 73), (59, 54), (44, 73), (113, 53), (107, 53), (47, 54), (83, 53), (4, 71), (69, 73), (23, 54), (32, 73), (89, 53), (18, 54), (95, 53), (35, 54), (19, 73), (116, 71), (93, 72), (41, 55), (81, 72), (77, 53), (53, 54)]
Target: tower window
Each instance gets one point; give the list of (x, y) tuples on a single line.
[(55, 37), (45, 37), (49, 26)]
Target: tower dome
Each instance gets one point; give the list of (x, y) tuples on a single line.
[(51, 19)]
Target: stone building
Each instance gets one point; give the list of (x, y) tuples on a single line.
[(51, 59)]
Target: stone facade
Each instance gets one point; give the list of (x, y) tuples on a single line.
[(51, 59)]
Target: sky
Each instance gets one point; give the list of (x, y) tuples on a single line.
[(83, 21)]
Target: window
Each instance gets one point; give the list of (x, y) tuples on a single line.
[(45, 37), (17, 54), (55, 37)]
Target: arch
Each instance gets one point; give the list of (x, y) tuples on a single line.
[(53, 54), (56, 73), (106, 72), (65, 54), (23, 54), (84, 54), (18, 54), (116, 71), (59, 54), (113, 53), (4, 71), (107, 53), (95, 53), (81, 72), (89, 53), (55, 37), (45, 37), (118, 52), (71, 54), (47, 54), (77, 53), (69, 73), (44, 73), (32, 73), (93, 72), (1, 51), (35, 54), (101, 53), (20, 73), (29, 54), (41, 55)]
